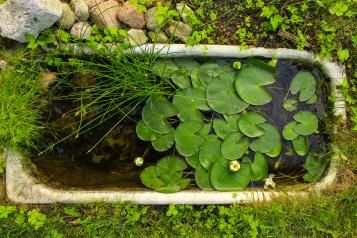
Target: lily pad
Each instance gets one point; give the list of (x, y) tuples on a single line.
[(223, 179), (249, 124), (210, 151), (234, 146), (169, 189), (208, 73), (288, 131), (169, 169), (276, 151), (164, 141), (187, 64), (305, 83), (308, 123), (145, 133), (301, 145), (315, 167), (193, 160), (187, 138), (222, 97), (290, 104), (195, 79), (259, 167), (188, 103), (150, 178), (155, 112), (249, 84), (268, 141), (312, 100), (202, 178), (165, 67), (181, 78)]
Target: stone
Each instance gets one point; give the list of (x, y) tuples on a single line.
[(185, 12), (151, 22), (105, 14), (68, 18), (158, 37), (93, 3), (81, 30), (19, 18), (129, 14), (81, 10), (179, 30), (135, 37)]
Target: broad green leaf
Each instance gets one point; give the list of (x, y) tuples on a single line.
[(249, 124), (181, 79), (169, 169), (188, 103), (234, 146), (202, 178), (305, 83), (187, 137), (193, 160), (308, 123), (249, 84), (145, 133), (312, 100), (165, 67), (290, 104), (225, 127), (222, 97), (301, 145), (210, 151), (183, 183), (315, 167), (169, 189), (150, 178), (276, 151), (195, 79), (187, 64), (223, 179), (288, 131), (268, 141), (208, 73), (259, 167), (164, 141)]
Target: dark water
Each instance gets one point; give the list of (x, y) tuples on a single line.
[(110, 164)]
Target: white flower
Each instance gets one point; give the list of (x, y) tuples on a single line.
[(139, 161), (269, 182), (234, 165)]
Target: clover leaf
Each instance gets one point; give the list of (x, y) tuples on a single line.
[(268, 141), (301, 145), (250, 81), (290, 105), (249, 124), (222, 97), (234, 146), (223, 179), (202, 177), (308, 123), (305, 83)]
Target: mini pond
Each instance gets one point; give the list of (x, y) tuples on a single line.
[(230, 134)]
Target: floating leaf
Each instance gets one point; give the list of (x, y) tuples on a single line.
[(305, 83), (312, 100), (315, 167), (268, 141), (210, 151), (222, 97), (164, 141), (308, 123), (290, 105), (150, 178), (276, 151), (144, 132), (234, 146), (223, 179), (187, 138), (202, 178), (259, 167), (169, 189), (195, 79), (169, 169), (208, 73), (249, 124), (187, 64), (165, 67), (193, 160), (250, 82), (188, 102), (184, 183), (181, 79), (288, 131), (301, 145)]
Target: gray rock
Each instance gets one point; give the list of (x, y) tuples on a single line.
[(135, 37), (21, 17), (81, 10), (158, 37), (179, 30), (105, 14), (68, 18), (151, 22), (81, 30), (129, 14), (185, 12)]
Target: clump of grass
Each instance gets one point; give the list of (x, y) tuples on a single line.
[(18, 117)]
